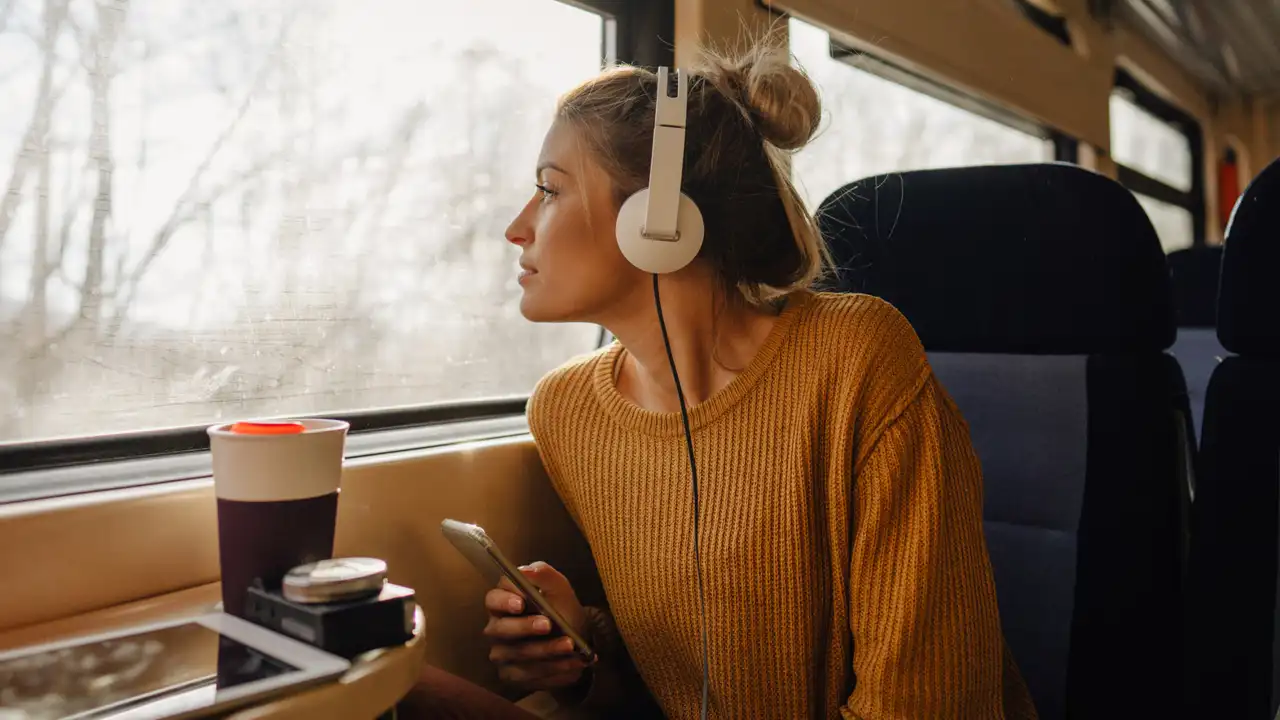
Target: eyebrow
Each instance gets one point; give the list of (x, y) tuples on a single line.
[(549, 166)]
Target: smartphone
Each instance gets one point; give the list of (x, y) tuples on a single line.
[(484, 555)]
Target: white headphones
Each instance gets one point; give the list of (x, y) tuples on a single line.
[(660, 228)]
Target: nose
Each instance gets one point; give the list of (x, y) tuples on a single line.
[(520, 231), (514, 236)]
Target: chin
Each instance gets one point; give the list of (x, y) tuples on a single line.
[(535, 309), (536, 305)]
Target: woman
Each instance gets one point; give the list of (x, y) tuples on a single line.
[(843, 558)]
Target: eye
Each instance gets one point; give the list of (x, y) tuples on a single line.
[(547, 193)]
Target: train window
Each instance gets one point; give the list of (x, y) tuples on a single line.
[(254, 209), (1145, 143), (874, 125), (1158, 153), (1174, 225)]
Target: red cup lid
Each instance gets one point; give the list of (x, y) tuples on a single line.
[(268, 428)]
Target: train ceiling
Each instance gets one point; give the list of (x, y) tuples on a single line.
[(1233, 46)]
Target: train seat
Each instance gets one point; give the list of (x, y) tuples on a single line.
[(1234, 651), (1043, 298)]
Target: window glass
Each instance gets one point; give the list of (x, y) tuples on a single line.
[(1174, 225), (269, 207), (1149, 145), (872, 125)]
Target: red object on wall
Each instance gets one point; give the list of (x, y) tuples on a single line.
[(1228, 187)]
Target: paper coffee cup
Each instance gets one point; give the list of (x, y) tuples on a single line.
[(277, 491)]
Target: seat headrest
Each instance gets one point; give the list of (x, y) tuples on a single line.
[(1044, 258), (1195, 285), (1249, 299)]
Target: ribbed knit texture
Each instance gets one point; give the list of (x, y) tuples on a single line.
[(841, 528)]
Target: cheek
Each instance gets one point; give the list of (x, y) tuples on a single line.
[(582, 271), (582, 264)]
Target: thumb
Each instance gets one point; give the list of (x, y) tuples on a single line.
[(547, 579)]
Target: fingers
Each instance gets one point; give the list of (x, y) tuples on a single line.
[(507, 599), (522, 647), (538, 568), (509, 629), (504, 583), (548, 579), (532, 650), (551, 673), (504, 601), (552, 682)]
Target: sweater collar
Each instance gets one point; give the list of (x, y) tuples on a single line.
[(632, 416)]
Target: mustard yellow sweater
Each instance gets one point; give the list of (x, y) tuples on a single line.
[(845, 569)]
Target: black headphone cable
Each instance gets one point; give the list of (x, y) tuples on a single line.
[(693, 471)]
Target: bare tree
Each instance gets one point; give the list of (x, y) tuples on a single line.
[(43, 349), (315, 256), (32, 146)]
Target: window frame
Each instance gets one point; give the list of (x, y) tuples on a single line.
[(1138, 182), (1066, 149), (1053, 25), (639, 32), (66, 452)]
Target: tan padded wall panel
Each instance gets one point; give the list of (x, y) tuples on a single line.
[(65, 557), (983, 47), (72, 555)]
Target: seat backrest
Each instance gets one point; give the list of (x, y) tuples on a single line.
[(1195, 294), (1042, 295), (1234, 648)]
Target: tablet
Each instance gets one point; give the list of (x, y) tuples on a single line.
[(177, 669)]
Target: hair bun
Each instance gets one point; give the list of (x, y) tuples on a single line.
[(780, 99)]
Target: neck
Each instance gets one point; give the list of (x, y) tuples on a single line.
[(713, 336)]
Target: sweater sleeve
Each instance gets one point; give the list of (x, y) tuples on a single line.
[(603, 690), (923, 615)]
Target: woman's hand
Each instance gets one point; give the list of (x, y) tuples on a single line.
[(522, 647)]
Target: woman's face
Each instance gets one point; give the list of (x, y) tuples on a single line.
[(571, 269)]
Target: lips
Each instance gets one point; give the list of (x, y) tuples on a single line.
[(526, 272)]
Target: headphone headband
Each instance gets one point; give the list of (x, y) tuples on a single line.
[(666, 167), (659, 228)]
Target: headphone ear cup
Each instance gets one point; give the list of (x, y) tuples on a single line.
[(658, 256)]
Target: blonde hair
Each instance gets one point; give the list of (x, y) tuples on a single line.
[(746, 113)]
